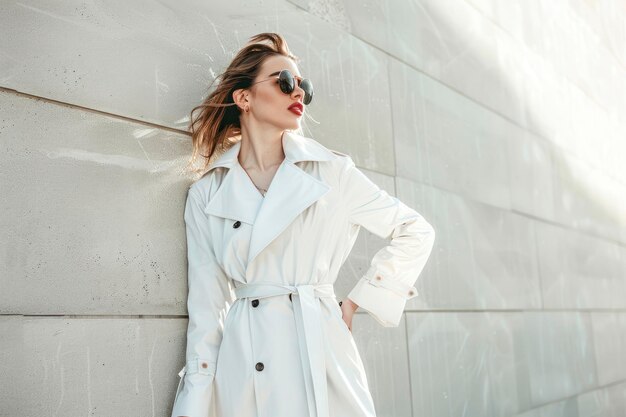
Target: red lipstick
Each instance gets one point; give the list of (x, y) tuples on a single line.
[(296, 108)]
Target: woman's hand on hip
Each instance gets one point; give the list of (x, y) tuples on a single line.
[(348, 307)]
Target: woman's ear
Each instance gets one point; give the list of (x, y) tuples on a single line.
[(240, 98)]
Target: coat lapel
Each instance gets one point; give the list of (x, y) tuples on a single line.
[(291, 191), (237, 198)]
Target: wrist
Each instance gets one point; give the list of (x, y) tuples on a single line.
[(354, 306)]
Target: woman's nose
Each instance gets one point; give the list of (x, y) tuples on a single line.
[(298, 92)]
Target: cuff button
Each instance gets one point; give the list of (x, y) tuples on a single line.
[(205, 365), (411, 292), (378, 277)]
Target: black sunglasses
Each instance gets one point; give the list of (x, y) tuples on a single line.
[(287, 83)]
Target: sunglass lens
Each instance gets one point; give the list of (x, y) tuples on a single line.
[(307, 86), (286, 82)]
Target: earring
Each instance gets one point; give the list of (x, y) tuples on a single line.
[(247, 109)]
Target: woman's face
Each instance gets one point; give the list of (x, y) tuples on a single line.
[(268, 104)]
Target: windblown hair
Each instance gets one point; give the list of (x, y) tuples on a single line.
[(215, 122)]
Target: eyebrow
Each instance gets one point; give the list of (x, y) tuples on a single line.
[(276, 73)]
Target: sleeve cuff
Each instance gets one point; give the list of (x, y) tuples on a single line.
[(383, 298), (194, 394), (200, 366)]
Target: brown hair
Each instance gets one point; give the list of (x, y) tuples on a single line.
[(217, 121)]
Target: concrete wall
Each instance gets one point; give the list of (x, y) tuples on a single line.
[(503, 123)]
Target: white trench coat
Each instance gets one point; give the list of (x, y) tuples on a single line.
[(265, 336)]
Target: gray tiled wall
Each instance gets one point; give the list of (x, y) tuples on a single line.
[(503, 123)]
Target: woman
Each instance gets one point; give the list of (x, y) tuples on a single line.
[(268, 226)]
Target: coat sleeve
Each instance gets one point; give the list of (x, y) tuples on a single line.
[(388, 283), (210, 296)]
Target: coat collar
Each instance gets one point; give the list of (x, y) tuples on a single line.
[(291, 191), (295, 146)]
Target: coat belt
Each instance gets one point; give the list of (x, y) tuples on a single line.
[(308, 316)]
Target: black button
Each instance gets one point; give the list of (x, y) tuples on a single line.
[(259, 366), (340, 302), (237, 224), (255, 303), (290, 297)]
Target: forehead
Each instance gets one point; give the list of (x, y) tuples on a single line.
[(276, 63)]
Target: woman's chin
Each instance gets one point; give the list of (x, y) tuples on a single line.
[(292, 126)]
